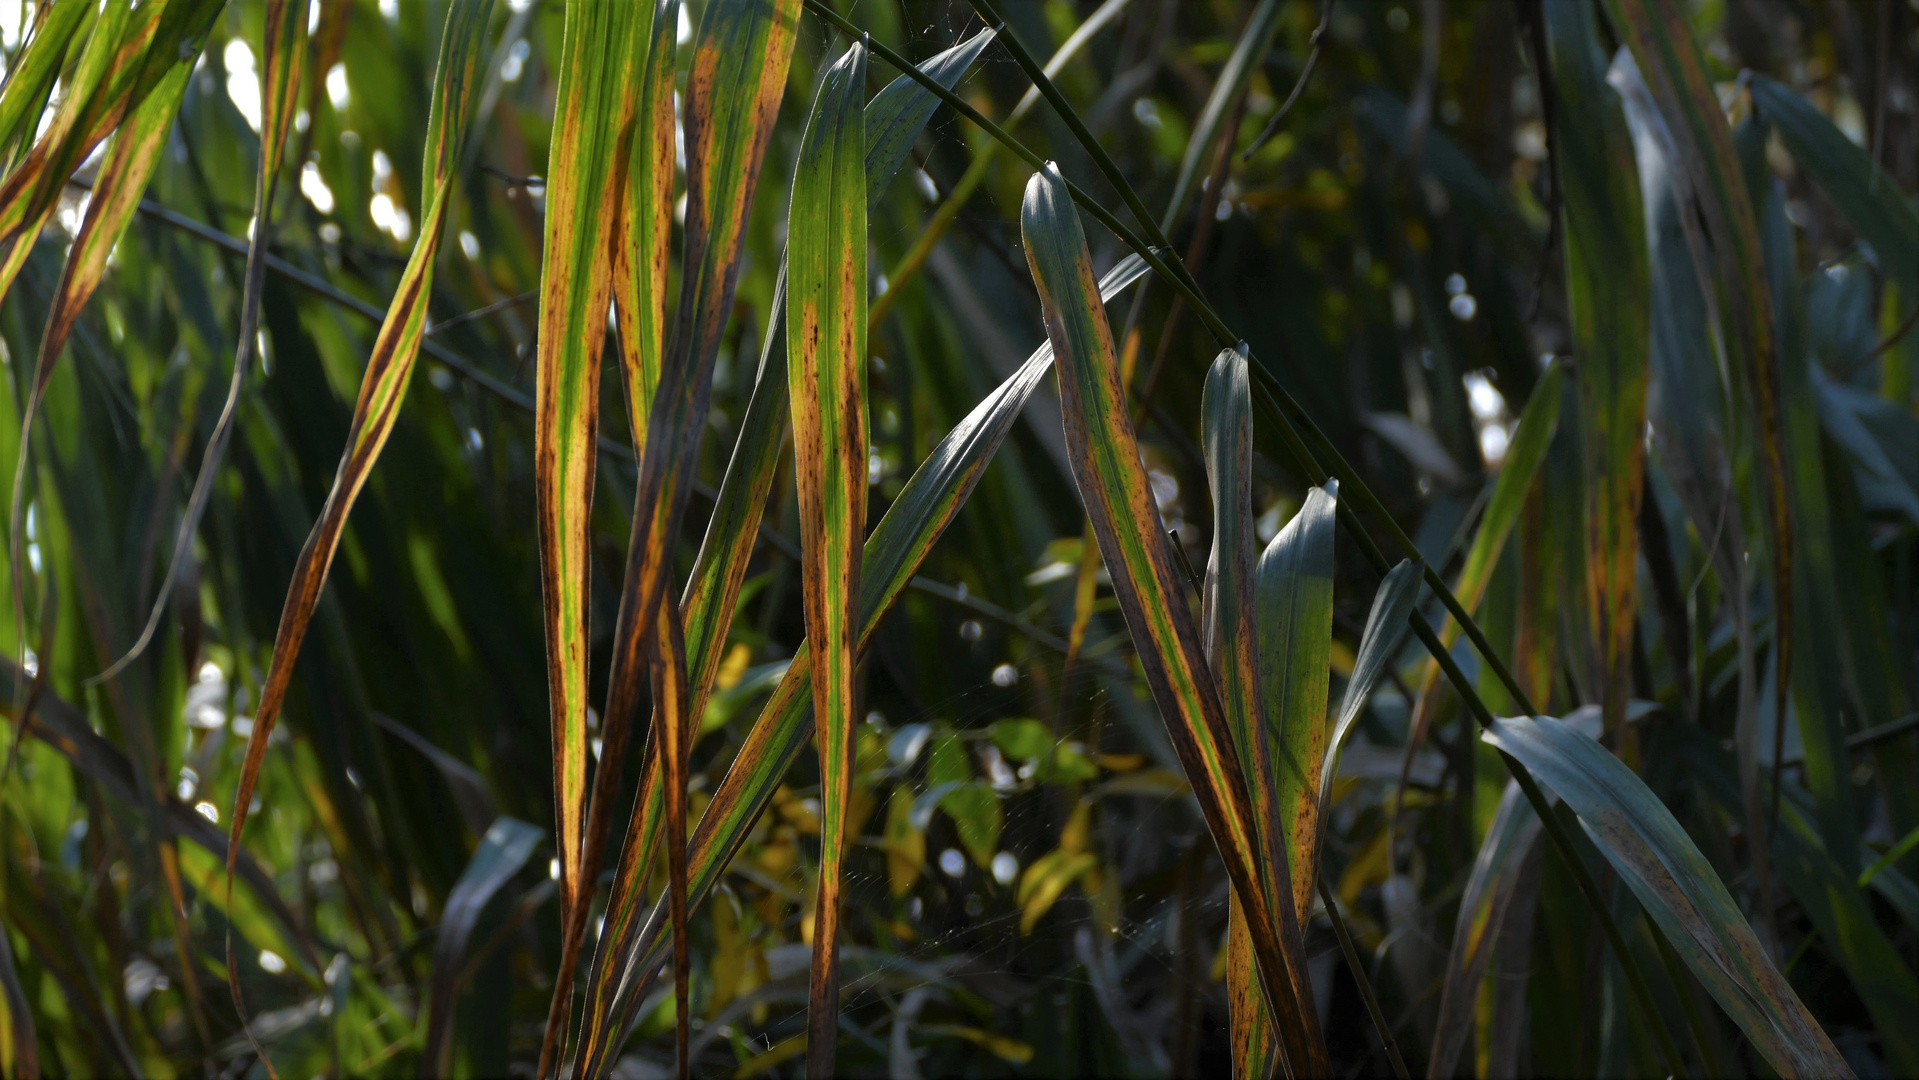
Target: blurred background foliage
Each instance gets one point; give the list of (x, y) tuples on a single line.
[(1032, 891)]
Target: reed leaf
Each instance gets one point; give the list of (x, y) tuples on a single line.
[(1113, 486), (826, 368), (898, 543), (383, 388), (1678, 888)]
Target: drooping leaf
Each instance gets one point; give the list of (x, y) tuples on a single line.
[(384, 385), (1106, 466), (1678, 888), (826, 368)]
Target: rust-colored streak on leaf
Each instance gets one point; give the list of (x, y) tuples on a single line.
[(737, 77), (585, 190), (675, 743)]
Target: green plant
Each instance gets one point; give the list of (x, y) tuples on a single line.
[(1572, 337)]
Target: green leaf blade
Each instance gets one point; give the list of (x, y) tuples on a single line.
[(826, 369), (1677, 887)]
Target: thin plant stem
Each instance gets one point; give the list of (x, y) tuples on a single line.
[(1365, 985)]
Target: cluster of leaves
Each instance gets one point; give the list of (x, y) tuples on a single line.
[(1451, 607)]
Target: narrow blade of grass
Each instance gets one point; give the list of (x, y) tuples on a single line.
[(640, 258), (603, 245), (30, 78), (734, 86), (383, 387), (1705, 164), (505, 848), (826, 368), (894, 119)]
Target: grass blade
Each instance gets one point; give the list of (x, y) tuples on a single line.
[(640, 261), (737, 78), (1819, 690), (1231, 641), (1295, 615), (826, 367), (382, 388), (1678, 888), (1607, 286), (893, 120), (675, 744), (22, 1046), (894, 550), (1113, 485), (585, 189), (128, 52), (1249, 52), (604, 167), (30, 78), (123, 177), (734, 86)]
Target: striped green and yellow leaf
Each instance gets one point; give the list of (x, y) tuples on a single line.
[(1232, 644), (383, 388), (893, 119), (826, 369)]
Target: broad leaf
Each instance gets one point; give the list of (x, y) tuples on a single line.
[(1678, 888)]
